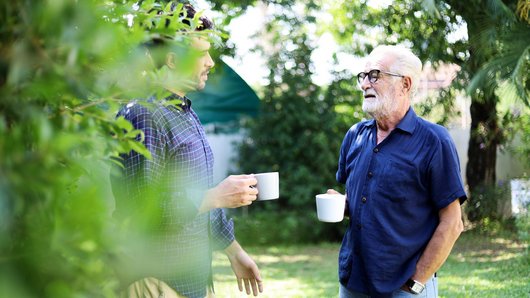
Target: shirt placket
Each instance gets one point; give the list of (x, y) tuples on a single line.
[(363, 200), (206, 147)]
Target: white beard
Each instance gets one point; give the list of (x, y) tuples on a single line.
[(381, 107)]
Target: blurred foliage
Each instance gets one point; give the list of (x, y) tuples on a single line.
[(488, 202), (65, 67), (439, 108), (300, 127), (271, 227), (522, 222), (520, 129)]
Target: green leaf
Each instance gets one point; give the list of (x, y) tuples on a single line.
[(124, 124), (140, 148)]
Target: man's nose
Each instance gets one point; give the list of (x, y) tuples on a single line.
[(365, 83), (209, 61)]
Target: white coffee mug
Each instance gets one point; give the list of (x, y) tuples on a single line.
[(268, 186), (330, 207)]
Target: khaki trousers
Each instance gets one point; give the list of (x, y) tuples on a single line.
[(151, 287)]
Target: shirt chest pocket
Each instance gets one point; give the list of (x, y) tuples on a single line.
[(398, 181)]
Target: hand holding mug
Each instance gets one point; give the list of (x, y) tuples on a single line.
[(234, 191), (330, 206)]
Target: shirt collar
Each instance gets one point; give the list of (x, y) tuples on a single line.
[(185, 102), (407, 124)]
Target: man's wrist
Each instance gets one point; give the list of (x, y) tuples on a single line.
[(232, 249), (414, 286), (208, 202)]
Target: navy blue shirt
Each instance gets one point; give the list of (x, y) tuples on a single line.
[(394, 191)]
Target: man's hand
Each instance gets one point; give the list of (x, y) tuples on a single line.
[(235, 191), (346, 207), (333, 192), (245, 269)]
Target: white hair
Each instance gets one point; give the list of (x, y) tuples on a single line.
[(404, 63)]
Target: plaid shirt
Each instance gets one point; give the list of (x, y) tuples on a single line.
[(180, 171)]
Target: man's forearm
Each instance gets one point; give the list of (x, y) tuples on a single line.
[(233, 249), (441, 243), (208, 202)]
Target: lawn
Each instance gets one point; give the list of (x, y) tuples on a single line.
[(479, 266)]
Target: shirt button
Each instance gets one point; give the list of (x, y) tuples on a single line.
[(359, 226), (357, 251), (364, 199), (376, 150), (370, 174)]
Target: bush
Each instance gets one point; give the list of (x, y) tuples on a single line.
[(486, 202), (285, 227), (62, 79), (298, 133), (522, 222)]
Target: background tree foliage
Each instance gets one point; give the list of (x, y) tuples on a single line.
[(65, 67), (298, 131)]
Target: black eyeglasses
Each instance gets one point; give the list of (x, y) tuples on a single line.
[(374, 75)]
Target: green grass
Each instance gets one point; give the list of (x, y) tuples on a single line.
[(486, 266), (479, 266)]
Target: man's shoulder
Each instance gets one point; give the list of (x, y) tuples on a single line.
[(361, 126), (143, 108), (434, 130), (135, 108)]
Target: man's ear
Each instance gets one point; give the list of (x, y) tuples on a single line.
[(171, 60), (407, 84)]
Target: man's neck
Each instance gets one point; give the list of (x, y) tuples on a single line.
[(387, 123), (177, 92)]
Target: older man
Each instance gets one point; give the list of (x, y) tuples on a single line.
[(403, 187)]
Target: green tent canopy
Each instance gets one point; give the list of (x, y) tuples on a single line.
[(226, 97)]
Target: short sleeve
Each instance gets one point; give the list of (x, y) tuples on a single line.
[(446, 183)]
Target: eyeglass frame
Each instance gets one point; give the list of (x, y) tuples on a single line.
[(372, 79)]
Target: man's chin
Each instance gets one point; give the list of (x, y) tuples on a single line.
[(369, 109), (200, 86)]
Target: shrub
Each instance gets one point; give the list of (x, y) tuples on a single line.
[(486, 202), (298, 133), (522, 222), (285, 227)]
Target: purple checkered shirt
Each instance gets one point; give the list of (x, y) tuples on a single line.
[(180, 170)]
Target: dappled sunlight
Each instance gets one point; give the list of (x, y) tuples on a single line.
[(266, 259), (457, 287), (486, 255), (273, 288), (287, 271), (485, 266), (494, 250)]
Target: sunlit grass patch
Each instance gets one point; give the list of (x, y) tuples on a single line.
[(287, 271)]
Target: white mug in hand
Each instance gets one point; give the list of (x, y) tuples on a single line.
[(268, 186), (330, 207)]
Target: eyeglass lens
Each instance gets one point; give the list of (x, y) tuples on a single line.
[(373, 75)]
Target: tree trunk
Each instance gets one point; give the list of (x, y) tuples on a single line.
[(483, 141), (482, 157), (485, 132)]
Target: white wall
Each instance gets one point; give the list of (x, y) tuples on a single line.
[(224, 151)]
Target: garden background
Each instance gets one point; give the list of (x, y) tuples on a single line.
[(66, 66)]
